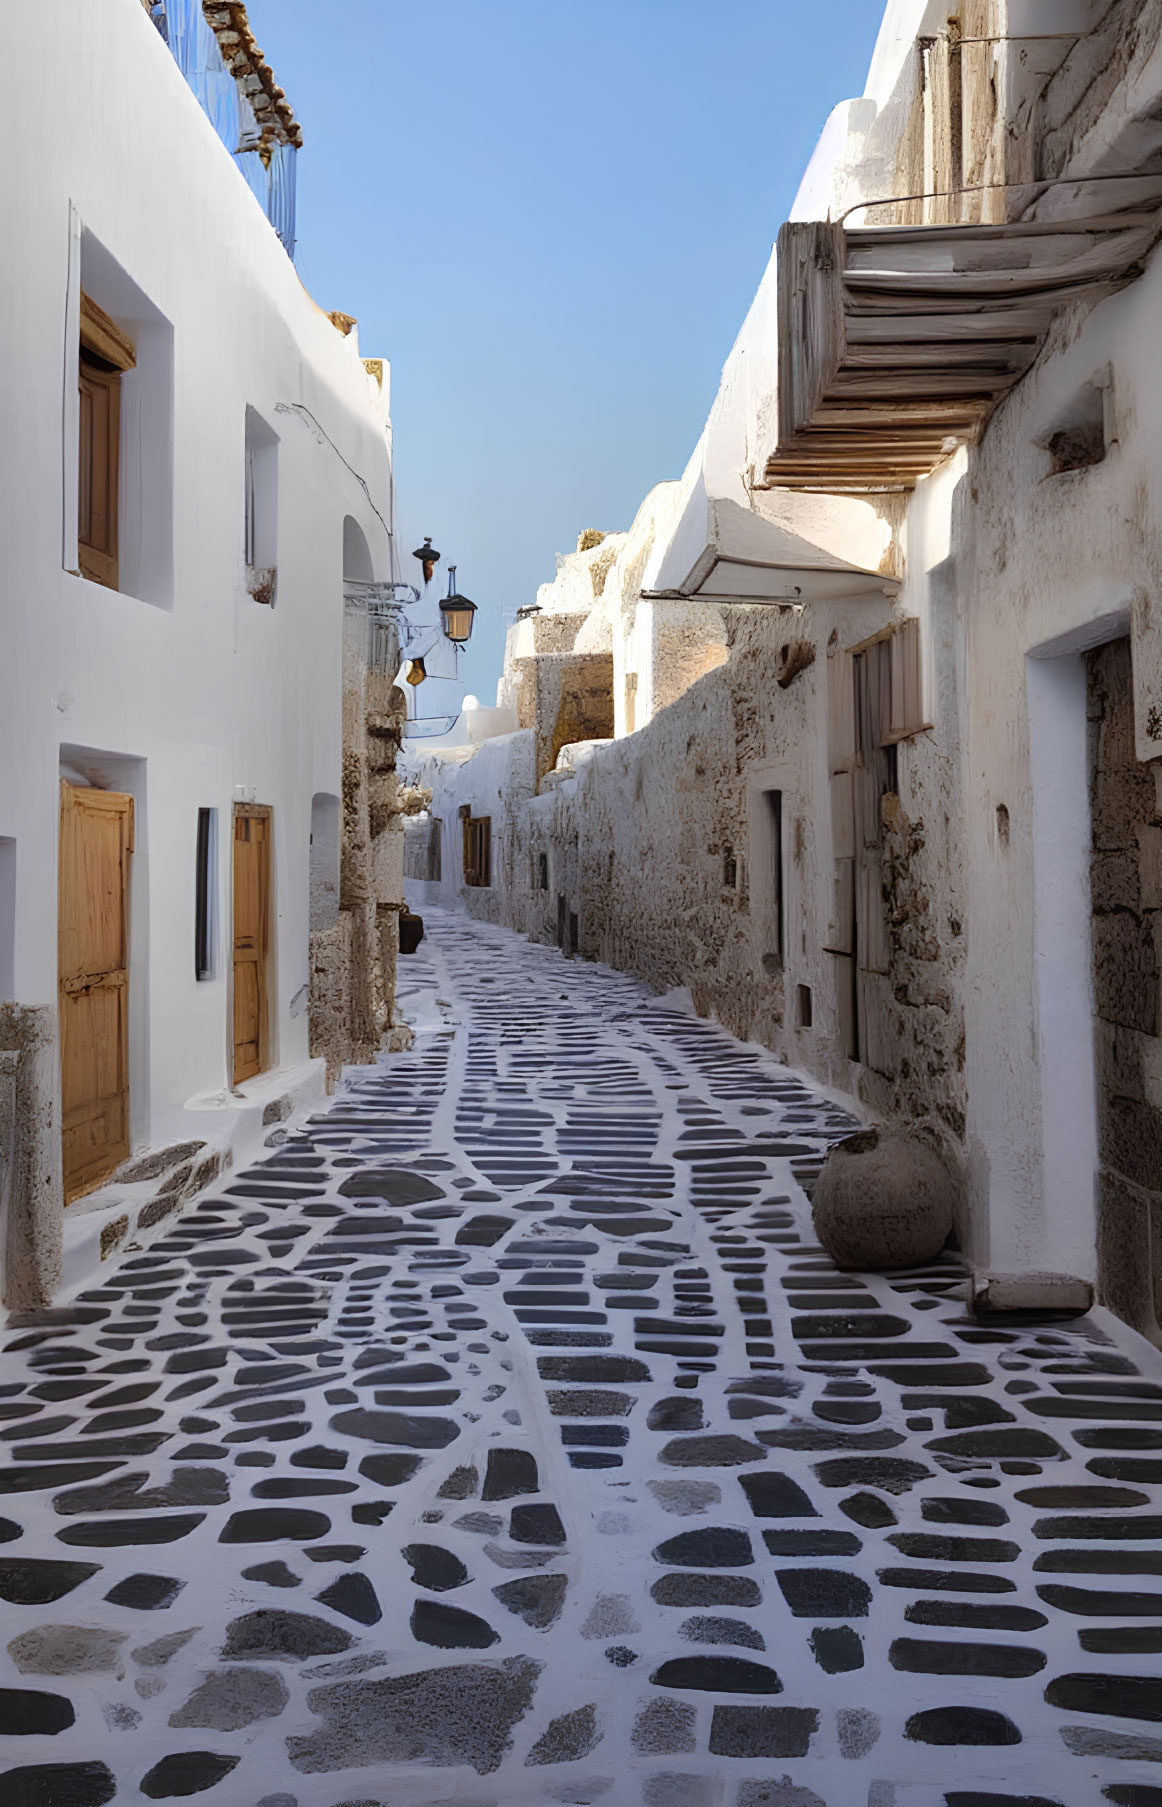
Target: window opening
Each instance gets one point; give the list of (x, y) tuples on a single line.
[(774, 955), (205, 893), (478, 850), (729, 869), (260, 508), (803, 1006), (542, 872)]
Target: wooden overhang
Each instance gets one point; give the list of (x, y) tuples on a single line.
[(897, 342)]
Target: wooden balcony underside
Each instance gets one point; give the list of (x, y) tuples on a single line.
[(896, 343)]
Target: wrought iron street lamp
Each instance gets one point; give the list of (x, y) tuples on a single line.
[(457, 611), (429, 558)]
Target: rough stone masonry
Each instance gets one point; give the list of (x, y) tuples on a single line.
[(503, 1437)]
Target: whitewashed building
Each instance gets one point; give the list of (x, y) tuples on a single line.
[(876, 771), (195, 460)]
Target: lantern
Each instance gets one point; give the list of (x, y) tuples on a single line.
[(416, 672), (429, 558), (457, 612)]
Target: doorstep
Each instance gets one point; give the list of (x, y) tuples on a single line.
[(216, 1132)]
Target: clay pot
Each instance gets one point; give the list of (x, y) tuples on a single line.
[(883, 1200), (411, 932)]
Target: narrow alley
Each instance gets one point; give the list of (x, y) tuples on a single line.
[(505, 1438)]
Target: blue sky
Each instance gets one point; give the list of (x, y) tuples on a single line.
[(551, 218)]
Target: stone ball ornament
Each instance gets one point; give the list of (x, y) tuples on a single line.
[(883, 1200)]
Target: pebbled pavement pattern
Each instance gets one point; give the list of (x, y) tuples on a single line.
[(503, 1437)]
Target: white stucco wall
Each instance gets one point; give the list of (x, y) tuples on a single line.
[(183, 688)]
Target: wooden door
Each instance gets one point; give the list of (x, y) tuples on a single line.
[(251, 940), (96, 841)]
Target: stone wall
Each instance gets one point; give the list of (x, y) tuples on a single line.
[(352, 996), (1126, 882), (31, 1194)]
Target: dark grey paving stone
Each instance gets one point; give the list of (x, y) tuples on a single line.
[(1133, 1794), (450, 1627), (757, 1792), (709, 1547), (869, 1510), (37, 1477), (961, 1725), (58, 1785), (598, 1369), (273, 1524), (510, 1472), (1144, 1527), (272, 1574), (588, 1402), (434, 1567), (935, 1656), (1122, 1640), (1003, 1444), (717, 1675), (892, 1474), (837, 1649), (1122, 1696), (537, 1599), (676, 1414), (1082, 1499), (709, 1628), (536, 1524), (824, 1593), (227, 1700), (354, 1597), (715, 1451), (957, 1581), (115, 1533), (395, 1185), (567, 1738), (812, 1543), (459, 1714), (939, 1510), (975, 1616), (774, 1495), (318, 1455), (30, 1712), (185, 1773), (706, 1590), (271, 1633), (737, 1731), (929, 1547), (405, 1429), (31, 1581), (974, 1797), (396, 1470), (1101, 1603), (10, 1531)]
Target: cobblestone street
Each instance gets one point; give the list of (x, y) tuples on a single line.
[(503, 1437)]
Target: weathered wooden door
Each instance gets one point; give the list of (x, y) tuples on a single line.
[(96, 841), (251, 940)]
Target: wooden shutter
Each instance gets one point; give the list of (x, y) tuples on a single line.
[(105, 353), (100, 439), (907, 715), (96, 841)]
